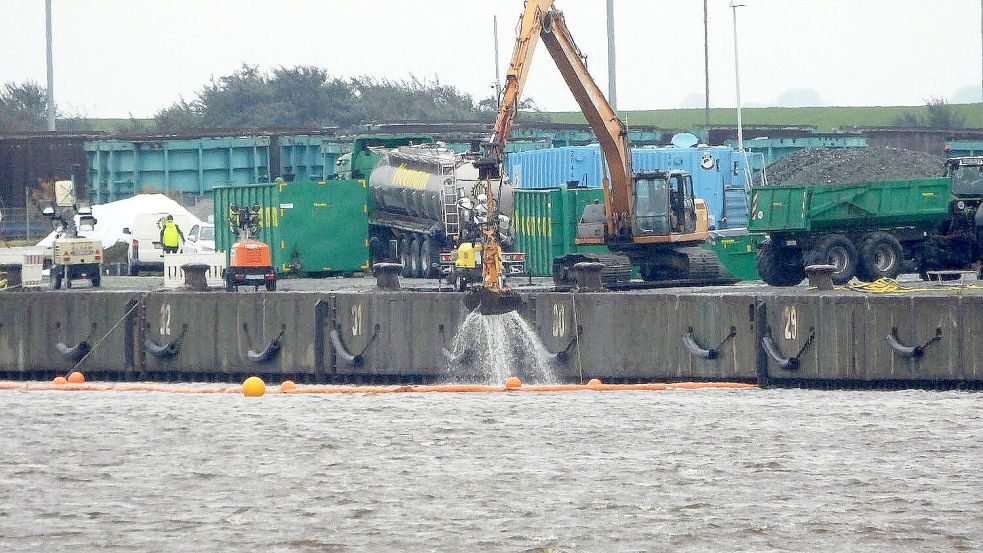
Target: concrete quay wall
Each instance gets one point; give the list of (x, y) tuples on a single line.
[(795, 338)]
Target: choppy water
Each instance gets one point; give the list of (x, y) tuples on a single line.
[(682, 470), (492, 348)]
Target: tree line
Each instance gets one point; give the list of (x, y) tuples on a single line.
[(308, 96), (300, 96)]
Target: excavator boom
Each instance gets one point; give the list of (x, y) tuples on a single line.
[(603, 120), (515, 80)]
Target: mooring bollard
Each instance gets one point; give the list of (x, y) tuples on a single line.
[(194, 276), (821, 276), (588, 274), (387, 275)]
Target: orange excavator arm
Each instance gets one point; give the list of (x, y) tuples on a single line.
[(525, 45), (540, 19), (602, 118)]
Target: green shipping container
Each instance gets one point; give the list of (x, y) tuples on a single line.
[(312, 227), (882, 204), (324, 226), (267, 196), (545, 224)]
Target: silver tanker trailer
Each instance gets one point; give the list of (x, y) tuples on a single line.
[(426, 201)]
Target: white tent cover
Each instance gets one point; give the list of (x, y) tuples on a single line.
[(113, 217)]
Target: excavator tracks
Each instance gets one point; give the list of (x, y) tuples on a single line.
[(617, 269), (685, 266)]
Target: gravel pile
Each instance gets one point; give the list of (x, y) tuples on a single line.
[(849, 165)]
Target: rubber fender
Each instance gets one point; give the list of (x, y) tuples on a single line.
[(913, 352), (265, 355), (695, 350), (787, 363), (76, 352), (342, 353), (161, 352)]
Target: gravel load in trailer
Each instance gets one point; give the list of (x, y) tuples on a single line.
[(852, 165)]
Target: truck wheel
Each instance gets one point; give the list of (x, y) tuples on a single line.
[(881, 256), (777, 267), (404, 256), (836, 250), (416, 269), (377, 252), (427, 265)]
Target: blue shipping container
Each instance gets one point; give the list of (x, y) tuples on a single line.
[(719, 174), (308, 157), (119, 169)]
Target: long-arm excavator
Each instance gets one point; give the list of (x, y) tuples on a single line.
[(650, 219)]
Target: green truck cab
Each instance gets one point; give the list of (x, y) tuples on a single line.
[(870, 230)]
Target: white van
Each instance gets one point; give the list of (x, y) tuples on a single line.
[(145, 252)]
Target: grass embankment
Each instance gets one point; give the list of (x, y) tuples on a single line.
[(826, 119)]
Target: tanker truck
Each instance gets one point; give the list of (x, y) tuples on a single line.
[(426, 203)]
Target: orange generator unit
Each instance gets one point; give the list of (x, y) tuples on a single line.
[(249, 260)]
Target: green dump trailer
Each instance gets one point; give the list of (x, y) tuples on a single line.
[(869, 230)]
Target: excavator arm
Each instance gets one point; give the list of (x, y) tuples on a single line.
[(525, 45), (540, 19), (603, 120)]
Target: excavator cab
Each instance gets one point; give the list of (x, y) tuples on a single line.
[(663, 204)]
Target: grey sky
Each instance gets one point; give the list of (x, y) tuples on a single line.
[(114, 57)]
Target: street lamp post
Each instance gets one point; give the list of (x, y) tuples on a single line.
[(737, 79), (706, 66), (51, 69)]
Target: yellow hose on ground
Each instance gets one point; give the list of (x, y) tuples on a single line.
[(891, 286)]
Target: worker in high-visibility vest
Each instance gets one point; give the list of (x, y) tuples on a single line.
[(170, 235)]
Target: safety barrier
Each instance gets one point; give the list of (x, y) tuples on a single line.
[(174, 276), (31, 266)]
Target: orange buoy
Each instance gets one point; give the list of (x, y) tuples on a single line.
[(76, 378), (288, 386), (513, 382), (594, 383), (253, 387), (60, 380)]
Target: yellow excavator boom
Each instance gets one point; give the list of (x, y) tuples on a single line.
[(603, 120)]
